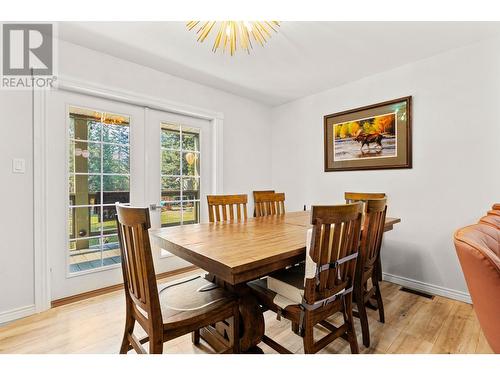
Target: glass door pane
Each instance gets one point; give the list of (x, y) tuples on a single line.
[(180, 175), (99, 176)]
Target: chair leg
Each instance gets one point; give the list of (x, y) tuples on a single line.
[(380, 303), (295, 327), (308, 338), (349, 320), (236, 330), (363, 318), (155, 345), (379, 268), (195, 337), (129, 329)]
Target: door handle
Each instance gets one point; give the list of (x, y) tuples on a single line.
[(156, 206)]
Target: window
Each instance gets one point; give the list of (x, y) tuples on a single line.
[(99, 176), (180, 175)]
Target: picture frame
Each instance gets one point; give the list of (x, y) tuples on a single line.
[(377, 136)]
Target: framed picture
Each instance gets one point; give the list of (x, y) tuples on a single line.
[(377, 136)]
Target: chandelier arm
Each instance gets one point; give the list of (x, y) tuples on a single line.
[(202, 27), (234, 35), (258, 35), (270, 24), (191, 24), (206, 30)]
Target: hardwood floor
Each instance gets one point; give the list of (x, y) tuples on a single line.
[(414, 324)]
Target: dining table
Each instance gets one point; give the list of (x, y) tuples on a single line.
[(236, 252)]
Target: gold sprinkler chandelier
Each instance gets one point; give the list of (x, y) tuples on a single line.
[(232, 35)]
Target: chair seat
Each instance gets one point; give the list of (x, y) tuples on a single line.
[(283, 290), (273, 300), (191, 299), (286, 287), (288, 284)]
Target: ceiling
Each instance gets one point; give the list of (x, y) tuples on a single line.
[(303, 58)]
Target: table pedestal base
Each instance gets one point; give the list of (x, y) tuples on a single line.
[(251, 321)]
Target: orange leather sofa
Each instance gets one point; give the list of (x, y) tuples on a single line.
[(478, 249)]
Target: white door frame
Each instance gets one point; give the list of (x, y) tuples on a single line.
[(41, 215)]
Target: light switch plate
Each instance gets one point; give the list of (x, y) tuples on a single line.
[(18, 165)]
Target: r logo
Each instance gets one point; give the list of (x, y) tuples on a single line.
[(26, 47)]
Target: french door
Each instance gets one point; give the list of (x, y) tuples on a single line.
[(178, 173), (100, 152)]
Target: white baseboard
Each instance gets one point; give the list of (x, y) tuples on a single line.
[(427, 288), (20, 312)]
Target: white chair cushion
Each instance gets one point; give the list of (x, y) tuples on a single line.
[(289, 284), (310, 264)]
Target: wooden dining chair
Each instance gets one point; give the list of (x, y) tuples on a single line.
[(267, 204), (367, 263), (351, 197), (227, 207), (309, 293), (165, 311), (257, 194)]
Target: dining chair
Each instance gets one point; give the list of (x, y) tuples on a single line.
[(268, 204), (351, 197), (219, 205), (170, 310), (257, 194), (367, 263), (309, 293)]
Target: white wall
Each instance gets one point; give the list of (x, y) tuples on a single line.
[(246, 154), (456, 154), (16, 220)]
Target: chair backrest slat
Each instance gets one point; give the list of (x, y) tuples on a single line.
[(224, 212), (217, 215), (350, 241), (336, 248), (137, 261), (218, 206), (324, 253), (336, 233), (269, 203)]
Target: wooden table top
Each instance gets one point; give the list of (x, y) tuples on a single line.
[(238, 252)]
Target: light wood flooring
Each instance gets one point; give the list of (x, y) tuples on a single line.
[(414, 324)]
